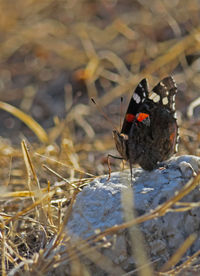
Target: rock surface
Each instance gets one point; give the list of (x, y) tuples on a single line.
[(100, 206)]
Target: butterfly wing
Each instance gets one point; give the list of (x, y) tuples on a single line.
[(164, 93), (139, 95)]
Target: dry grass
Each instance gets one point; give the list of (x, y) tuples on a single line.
[(55, 56)]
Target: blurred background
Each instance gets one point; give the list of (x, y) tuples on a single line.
[(56, 55)]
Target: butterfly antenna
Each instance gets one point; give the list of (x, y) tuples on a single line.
[(103, 113), (121, 111)]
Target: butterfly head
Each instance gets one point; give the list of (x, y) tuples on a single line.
[(121, 143)]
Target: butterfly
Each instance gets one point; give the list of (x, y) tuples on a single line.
[(149, 133)]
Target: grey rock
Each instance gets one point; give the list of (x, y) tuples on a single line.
[(99, 206)]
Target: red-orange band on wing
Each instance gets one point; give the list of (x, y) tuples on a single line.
[(142, 116), (172, 136), (130, 117)]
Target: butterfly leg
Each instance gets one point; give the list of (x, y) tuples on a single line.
[(130, 164), (108, 162)]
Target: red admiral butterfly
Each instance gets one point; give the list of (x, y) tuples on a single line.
[(149, 133)]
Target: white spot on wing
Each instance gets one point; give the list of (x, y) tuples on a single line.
[(174, 82), (136, 98), (175, 115), (176, 147), (143, 90), (165, 100), (154, 97)]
